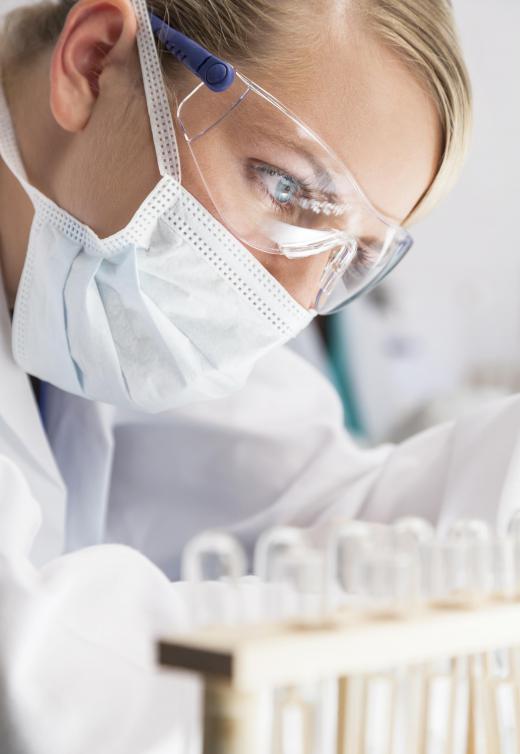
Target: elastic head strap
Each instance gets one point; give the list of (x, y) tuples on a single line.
[(157, 100)]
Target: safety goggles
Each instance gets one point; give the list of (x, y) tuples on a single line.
[(275, 184)]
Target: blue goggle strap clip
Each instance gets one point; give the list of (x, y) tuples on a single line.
[(212, 71)]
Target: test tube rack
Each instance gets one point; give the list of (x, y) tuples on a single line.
[(239, 665)]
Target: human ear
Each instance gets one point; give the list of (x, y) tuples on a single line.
[(97, 34)]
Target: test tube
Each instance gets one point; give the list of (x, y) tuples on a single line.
[(294, 722), (502, 557), (462, 564), (513, 532), (390, 581), (514, 525), (376, 567), (283, 556), (471, 565), (416, 536), (413, 531), (213, 556), (470, 529), (346, 549), (272, 544), (489, 556)]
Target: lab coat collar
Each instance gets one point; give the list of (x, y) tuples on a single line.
[(20, 420)]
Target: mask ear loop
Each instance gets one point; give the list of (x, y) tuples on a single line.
[(157, 100), (9, 149)]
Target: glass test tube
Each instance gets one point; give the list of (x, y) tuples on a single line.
[(513, 532), (461, 566), (284, 556), (346, 549), (213, 556)]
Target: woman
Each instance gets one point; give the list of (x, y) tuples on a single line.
[(151, 254)]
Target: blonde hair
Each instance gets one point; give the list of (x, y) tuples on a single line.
[(422, 33)]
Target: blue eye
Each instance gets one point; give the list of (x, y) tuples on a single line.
[(282, 188), (285, 190)]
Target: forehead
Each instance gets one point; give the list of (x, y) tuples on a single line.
[(366, 104)]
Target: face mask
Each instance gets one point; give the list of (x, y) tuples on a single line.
[(169, 310)]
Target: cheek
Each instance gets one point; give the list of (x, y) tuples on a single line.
[(109, 173), (300, 277)]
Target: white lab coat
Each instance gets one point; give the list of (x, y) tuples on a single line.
[(77, 630)]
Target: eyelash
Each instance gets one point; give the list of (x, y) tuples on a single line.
[(305, 189), (363, 261), (363, 258)]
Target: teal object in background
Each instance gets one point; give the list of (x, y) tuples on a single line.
[(338, 352)]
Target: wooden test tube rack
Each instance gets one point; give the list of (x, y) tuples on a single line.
[(237, 663)]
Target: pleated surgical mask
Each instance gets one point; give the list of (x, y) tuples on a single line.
[(169, 310)]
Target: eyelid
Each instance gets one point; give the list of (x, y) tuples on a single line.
[(304, 182), (273, 141)]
